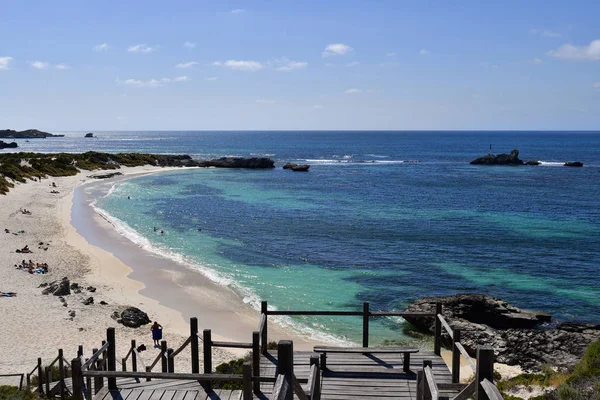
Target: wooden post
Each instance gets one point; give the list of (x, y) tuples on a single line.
[(77, 379), (420, 377), (207, 345), (265, 337), (123, 364), (148, 370), (48, 380), (485, 370), (40, 376), (171, 359), (247, 382), (133, 356), (437, 344), (163, 359), (98, 381), (111, 357), (366, 314), (194, 345), (104, 356), (80, 350), (314, 360), (256, 359), (426, 388), (455, 356), (285, 363), (28, 383), (61, 373)]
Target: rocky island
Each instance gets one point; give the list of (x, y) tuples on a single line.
[(26, 134), (4, 145)]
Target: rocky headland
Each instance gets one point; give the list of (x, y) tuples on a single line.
[(518, 337), (26, 134), (4, 145)]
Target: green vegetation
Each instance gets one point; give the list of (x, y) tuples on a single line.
[(19, 167), (13, 393), (232, 367), (55, 375), (583, 383)]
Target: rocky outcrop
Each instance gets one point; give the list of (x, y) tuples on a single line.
[(518, 337), (297, 167), (89, 135), (238, 162), (4, 145), (574, 164), (500, 159), (27, 134), (105, 175), (532, 162), (134, 317)]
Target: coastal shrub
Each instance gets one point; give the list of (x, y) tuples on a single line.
[(589, 366), (231, 367), (272, 345), (13, 393), (55, 375)]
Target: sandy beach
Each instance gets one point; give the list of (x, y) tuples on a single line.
[(124, 275)]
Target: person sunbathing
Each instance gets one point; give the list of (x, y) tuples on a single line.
[(7, 294)]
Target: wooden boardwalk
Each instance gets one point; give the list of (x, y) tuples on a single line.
[(358, 376)]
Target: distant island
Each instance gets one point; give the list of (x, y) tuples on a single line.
[(27, 134)]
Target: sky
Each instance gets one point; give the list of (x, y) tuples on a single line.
[(299, 65)]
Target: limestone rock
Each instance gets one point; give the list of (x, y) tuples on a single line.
[(134, 317), (500, 159), (297, 167), (88, 301)]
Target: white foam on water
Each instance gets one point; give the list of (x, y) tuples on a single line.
[(552, 163)]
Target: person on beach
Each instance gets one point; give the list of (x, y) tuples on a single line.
[(156, 333)]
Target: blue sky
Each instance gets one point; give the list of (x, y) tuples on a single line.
[(212, 65)]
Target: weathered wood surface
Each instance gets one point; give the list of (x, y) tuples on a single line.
[(360, 350), (358, 376)]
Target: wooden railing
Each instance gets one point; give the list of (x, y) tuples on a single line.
[(287, 385), (481, 388), (366, 314), (21, 376)]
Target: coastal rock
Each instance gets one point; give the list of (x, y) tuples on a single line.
[(4, 145), (238, 162), (88, 301), (574, 164), (518, 337), (134, 317), (91, 289), (26, 134), (297, 167), (532, 162), (63, 288), (500, 159), (89, 135), (105, 175)]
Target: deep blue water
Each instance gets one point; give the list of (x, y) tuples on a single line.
[(364, 226)]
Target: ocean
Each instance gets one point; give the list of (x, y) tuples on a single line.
[(384, 217)]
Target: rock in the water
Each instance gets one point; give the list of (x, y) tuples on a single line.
[(500, 159), (88, 135), (297, 167), (237, 162), (532, 162), (88, 301), (134, 317), (63, 288), (574, 164), (12, 145), (513, 333)]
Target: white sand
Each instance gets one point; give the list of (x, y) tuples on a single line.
[(36, 325)]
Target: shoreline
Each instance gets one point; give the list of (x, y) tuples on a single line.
[(170, 293)]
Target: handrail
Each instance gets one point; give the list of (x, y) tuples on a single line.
[(54, 362), (313, 381), (139, 359), (446, 325), (164, 375), (433, 389), (281, 388), (297, 389), (462, 350), (20, 381), (491, 390), (95, 356), (157, 359), (183, 346), (348, 313), (232, 345)]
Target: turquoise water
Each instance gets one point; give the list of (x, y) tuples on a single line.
[(363, 225)]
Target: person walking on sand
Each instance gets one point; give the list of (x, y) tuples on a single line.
[(156, 333)]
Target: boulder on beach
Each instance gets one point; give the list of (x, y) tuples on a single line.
[(500, 159), (297, 167), (518, 337), (134, 317)]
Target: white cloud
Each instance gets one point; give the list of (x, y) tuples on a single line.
[(211, 78), (39, 64), (187, 64), (241, 65), (353, 91), (424, 52), (285, 64), (238, 11), (189, 45), (102, 47), (318, 107), (596, 85), (151, 83), (265, 101), (352, 64), (336, 49), (141, 48), (538, 61), (62, 66), (5, 62), (544, 33), (390, 54), (570, 52)]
